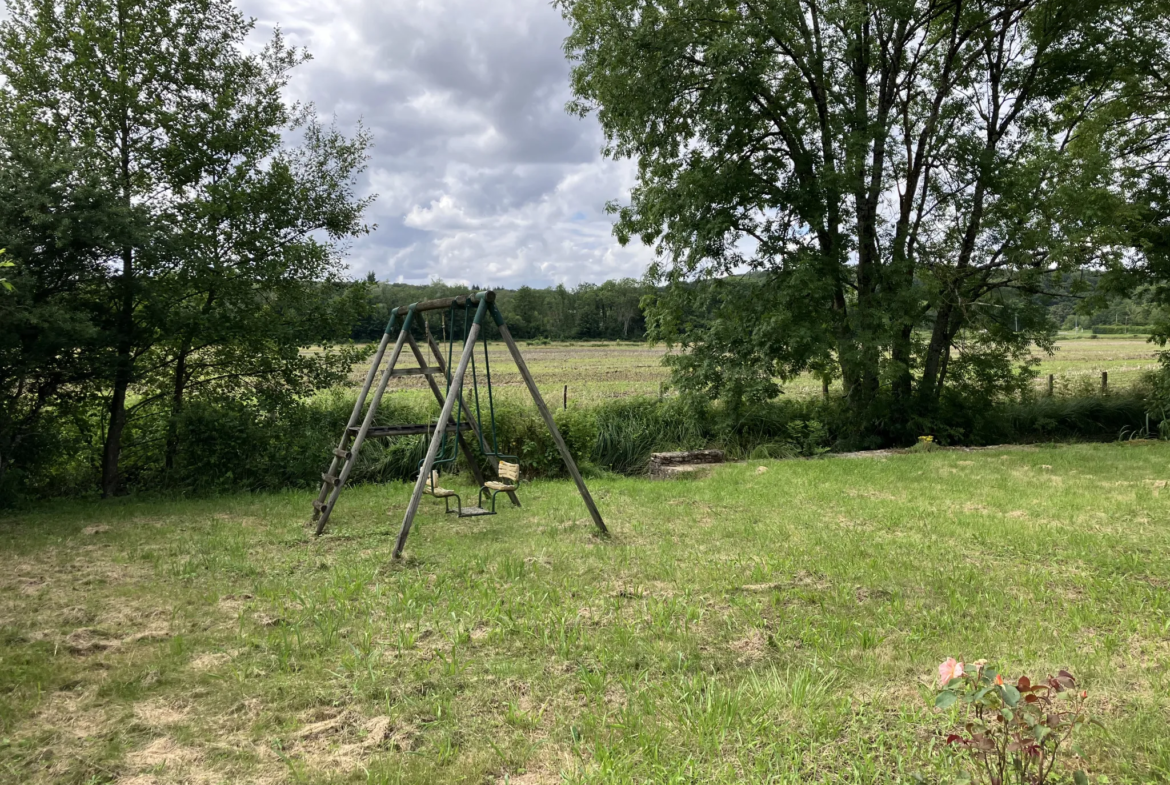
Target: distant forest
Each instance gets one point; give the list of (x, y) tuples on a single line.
[(612, 311), (608, 311)]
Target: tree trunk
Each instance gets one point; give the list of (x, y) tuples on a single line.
[(176, 407), (946, 325), (123, 373), (124, 369)]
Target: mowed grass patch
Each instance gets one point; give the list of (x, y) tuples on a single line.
[(780, 625)]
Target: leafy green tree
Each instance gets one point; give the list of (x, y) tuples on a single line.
[(59, 227), (230, 239), (902, 177)]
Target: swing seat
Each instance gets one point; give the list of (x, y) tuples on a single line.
[(509, 474), (431, 488)]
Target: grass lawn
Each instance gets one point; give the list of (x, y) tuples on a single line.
[(781, 625), (596, 372)]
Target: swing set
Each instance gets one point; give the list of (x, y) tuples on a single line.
[(506, 469), (447, 433)]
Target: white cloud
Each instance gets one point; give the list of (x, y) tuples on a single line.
[(481, 176)]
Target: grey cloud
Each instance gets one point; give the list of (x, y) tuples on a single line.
[(481, 175)]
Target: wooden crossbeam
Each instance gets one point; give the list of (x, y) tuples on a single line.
[(388, 431)]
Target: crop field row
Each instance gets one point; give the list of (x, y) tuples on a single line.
[(594, 372)]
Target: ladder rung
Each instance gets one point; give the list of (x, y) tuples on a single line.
[(414, 372), (319, 506), (386, 431), (344, 455), (329, 478)]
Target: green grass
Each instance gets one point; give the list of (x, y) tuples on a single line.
[(601, 371), (776, 626)]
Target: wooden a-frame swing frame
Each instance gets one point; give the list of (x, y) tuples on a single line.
[(347, 451)]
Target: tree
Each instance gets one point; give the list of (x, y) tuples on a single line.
[(902, 176), (59, 227), (230, 238)]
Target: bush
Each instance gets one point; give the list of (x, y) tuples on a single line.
[(1089, 418), (1158, 400), (237, 445), (1123, 329)]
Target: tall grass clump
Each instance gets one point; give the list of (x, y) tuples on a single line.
[(630, 429), (1093, 418)]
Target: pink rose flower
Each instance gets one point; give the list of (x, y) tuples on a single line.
[(949, 669)]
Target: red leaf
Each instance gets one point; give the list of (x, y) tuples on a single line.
[(955, 737), (1024, 683)]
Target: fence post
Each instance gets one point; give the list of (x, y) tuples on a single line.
[(566, 401), (1051, 384), (1104, 382)]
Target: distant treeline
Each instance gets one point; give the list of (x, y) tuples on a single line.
[(608, 311), (612, 310)]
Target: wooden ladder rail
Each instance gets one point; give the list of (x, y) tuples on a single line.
[(326, 508), (342, 453)]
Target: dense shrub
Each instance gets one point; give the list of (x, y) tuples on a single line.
[(1123, 329), (236, 445), (1158, 400)]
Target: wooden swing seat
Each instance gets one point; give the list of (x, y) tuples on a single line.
[(506, 471), (432, 488)]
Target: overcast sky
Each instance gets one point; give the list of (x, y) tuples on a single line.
[(481, 175)]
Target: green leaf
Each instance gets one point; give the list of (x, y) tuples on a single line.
[(945, 699), (1080, 778), (1011, 696)]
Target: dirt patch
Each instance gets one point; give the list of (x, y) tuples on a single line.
[(325, 727), (762, 587), (165, 760), (343, 742), (90, 640), (234, 603), (801, 579), (147, 635), (537, 777), (98, 529), (750, 649), (33, 586), (159, 713), (70, 713), (76, 615), (210, 661)]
